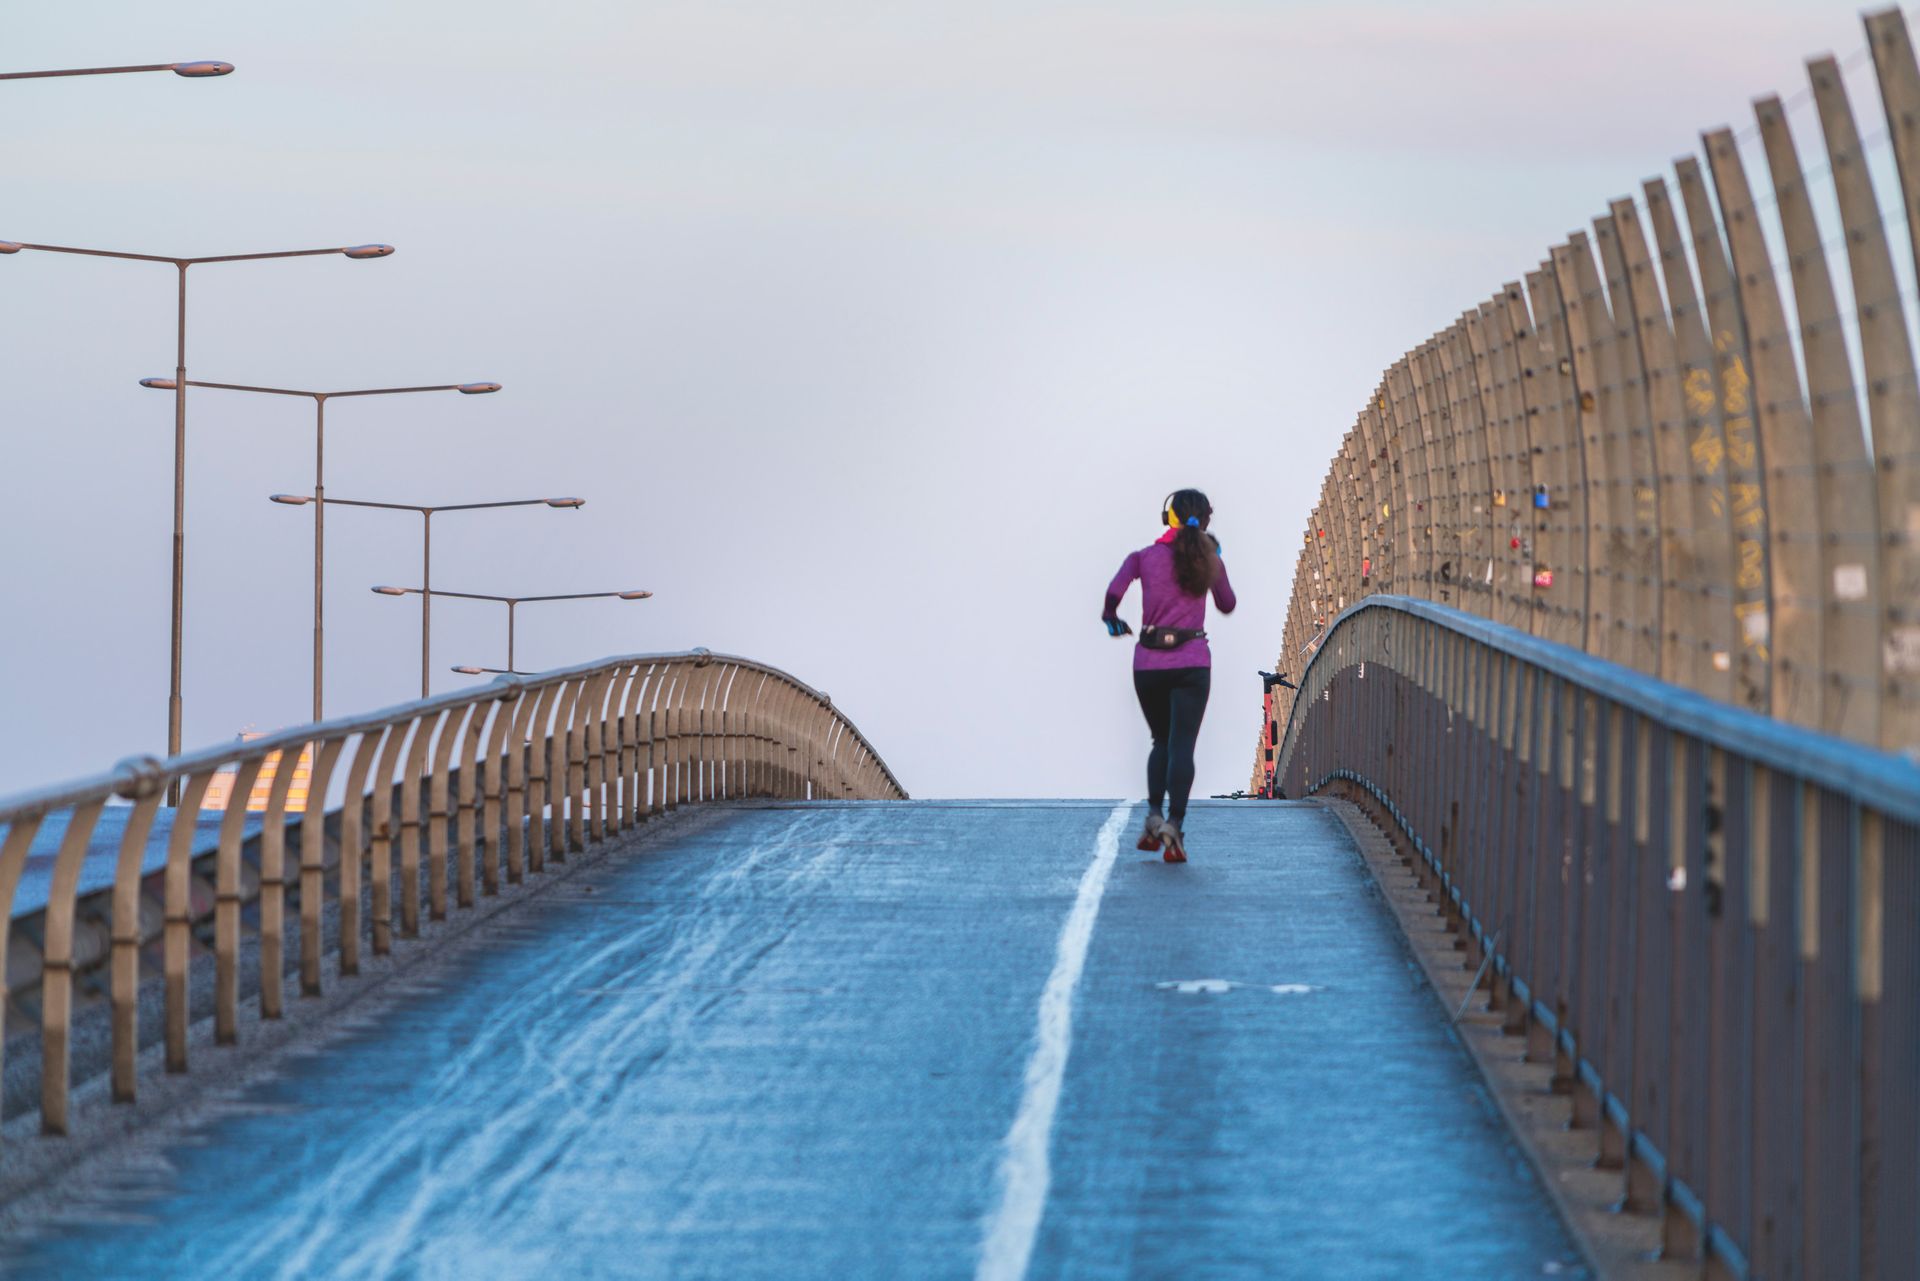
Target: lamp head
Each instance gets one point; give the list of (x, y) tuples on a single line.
[(476, 389), (201, 70), (391, 591), (160, 384), (368, 251), (575, 503), (291, 500), (471, 671), (9, 247), (633, 595)]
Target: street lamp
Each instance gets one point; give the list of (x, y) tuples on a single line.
[(320, 399), (191, 70), (510, 602), (426, 548), (358, 252)]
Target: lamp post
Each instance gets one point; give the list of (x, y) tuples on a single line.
[(426, 549), (191, 70), (511, 602), (320, 399), (180, 265)]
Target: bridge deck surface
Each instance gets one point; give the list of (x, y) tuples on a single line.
[(791, 1043)]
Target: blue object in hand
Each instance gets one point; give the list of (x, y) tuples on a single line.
[(1117, 627)]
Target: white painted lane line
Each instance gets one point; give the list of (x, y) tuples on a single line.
[(1025, 1169)]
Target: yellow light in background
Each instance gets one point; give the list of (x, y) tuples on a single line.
[(221, 788)]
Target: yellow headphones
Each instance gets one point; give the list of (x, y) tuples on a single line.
[(1166, 513)]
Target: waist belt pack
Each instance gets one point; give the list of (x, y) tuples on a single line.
[(1170, 637)]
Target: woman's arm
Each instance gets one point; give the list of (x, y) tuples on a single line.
[(1223, 597), (1129, 571)]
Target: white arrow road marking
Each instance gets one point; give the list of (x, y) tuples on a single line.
[(1214, 987)]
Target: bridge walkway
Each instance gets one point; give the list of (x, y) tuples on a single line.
[(938, 1039)]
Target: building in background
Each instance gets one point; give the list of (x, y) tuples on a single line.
[(221, 788)]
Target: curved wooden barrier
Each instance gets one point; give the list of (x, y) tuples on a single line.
[(1655, 448), (546, 765)]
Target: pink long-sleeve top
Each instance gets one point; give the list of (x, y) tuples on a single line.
[(1163, 604)]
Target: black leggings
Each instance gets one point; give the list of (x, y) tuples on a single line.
[(1173, 700)]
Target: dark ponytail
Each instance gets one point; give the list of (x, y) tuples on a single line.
[(1194, 561)]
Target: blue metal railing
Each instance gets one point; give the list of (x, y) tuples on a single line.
[(1708, 921)]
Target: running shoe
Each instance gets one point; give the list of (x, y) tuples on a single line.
[(1150, 834), (1176, 851)]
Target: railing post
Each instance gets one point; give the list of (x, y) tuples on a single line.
[(1566, 528), (1708, 539), (413, 772), (576, 743), (567, 772), (700, 781), (1607, 547), (1888, 976), (273, 877), (1795, 628), (440, 806), (226, 906), (771, 694), (619, 746), (1508, 544), (1556, 786), (600, 732), (380, 848), (145, 790), (795, 734), (505, 758), (1643, 984), (659, 725), (1777, 839), (1642, 316), (13, 860), (1892, 397), (56, 966), (1753, 580), (1411, 427), (353, 851), (1637, 498), (633, 755), (537, 749), (1734, 866), (177, 940), (1847, 559), (474, 800), (313, 863), (1689, 1000)]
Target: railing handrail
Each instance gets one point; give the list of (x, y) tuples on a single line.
[(441, 798), (124, 777), (1699, 918), (1887, 781)]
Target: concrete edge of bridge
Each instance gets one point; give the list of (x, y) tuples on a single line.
[(113, 1148), (1618, 1246)]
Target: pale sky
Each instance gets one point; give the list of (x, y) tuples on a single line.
[(873, 334)]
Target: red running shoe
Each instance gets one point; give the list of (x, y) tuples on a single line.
[(1176, 842), (1150, 834)]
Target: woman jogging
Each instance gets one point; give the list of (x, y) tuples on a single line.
[(1172, 667)]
